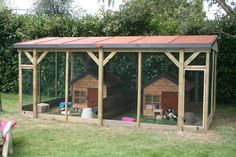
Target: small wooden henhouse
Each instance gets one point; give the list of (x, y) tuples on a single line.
[(162, 93), (85, 89)]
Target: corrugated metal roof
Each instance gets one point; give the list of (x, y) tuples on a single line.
[(193, 41)]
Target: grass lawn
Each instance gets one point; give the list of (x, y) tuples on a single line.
[(35, 137)]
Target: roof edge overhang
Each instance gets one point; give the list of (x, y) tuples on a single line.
[(112, 46)]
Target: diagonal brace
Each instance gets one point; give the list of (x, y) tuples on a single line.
[(109, 57), (28, 55), (172, 58), (191, 58), (42, 56), (95, 59)]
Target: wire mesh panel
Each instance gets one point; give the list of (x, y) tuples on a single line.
[(194, 85), (27, 89)]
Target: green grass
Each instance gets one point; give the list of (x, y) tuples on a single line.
[(35, 137)]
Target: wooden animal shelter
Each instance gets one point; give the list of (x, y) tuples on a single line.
[(182, 51), (85, 89), (161, 93)]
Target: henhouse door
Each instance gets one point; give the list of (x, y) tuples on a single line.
[(170, 100), (92, 97)]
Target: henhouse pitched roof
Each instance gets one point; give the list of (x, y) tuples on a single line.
[(188, 41), (109, 79), (172, 78)]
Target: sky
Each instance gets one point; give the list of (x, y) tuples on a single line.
[(91, 6)]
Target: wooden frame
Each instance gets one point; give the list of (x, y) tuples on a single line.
[(139, 97), (101, 62)]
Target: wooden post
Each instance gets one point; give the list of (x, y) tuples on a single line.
[(56, 78), (20, 81), (35, 82), (66, 85), (139, 88), (215, 81), (206, 93), (181, 91), (100, 86)]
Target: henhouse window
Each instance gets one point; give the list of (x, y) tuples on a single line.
[(152, 101), (80, 96)]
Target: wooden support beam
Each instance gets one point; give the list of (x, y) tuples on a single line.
[(109, 57), (191, 58), (26, 66), (28, 55), (139, 96), (56, 75), (20, 81), (66, 85), (92, 55), (172, 58), (100, 86), (181, 91), (206, 93), (195, 67), (42, 56), (35, 82)]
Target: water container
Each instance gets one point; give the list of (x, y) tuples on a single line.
[(87, 113)]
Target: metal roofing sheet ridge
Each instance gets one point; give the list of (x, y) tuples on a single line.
[(25, 42), (103, 40), (48, 40), (141, 37), (174, 39), (77, 38)]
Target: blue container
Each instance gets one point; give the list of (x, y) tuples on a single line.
[(62, 105)]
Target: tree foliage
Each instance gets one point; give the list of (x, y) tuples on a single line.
[(136, 17), (53, 7)]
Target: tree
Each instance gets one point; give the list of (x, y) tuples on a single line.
[(53, 7), (2, 4)]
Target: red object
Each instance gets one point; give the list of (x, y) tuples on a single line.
[(127, 119), (117, 40), (92, 97), (4, 124), (170, 100)]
